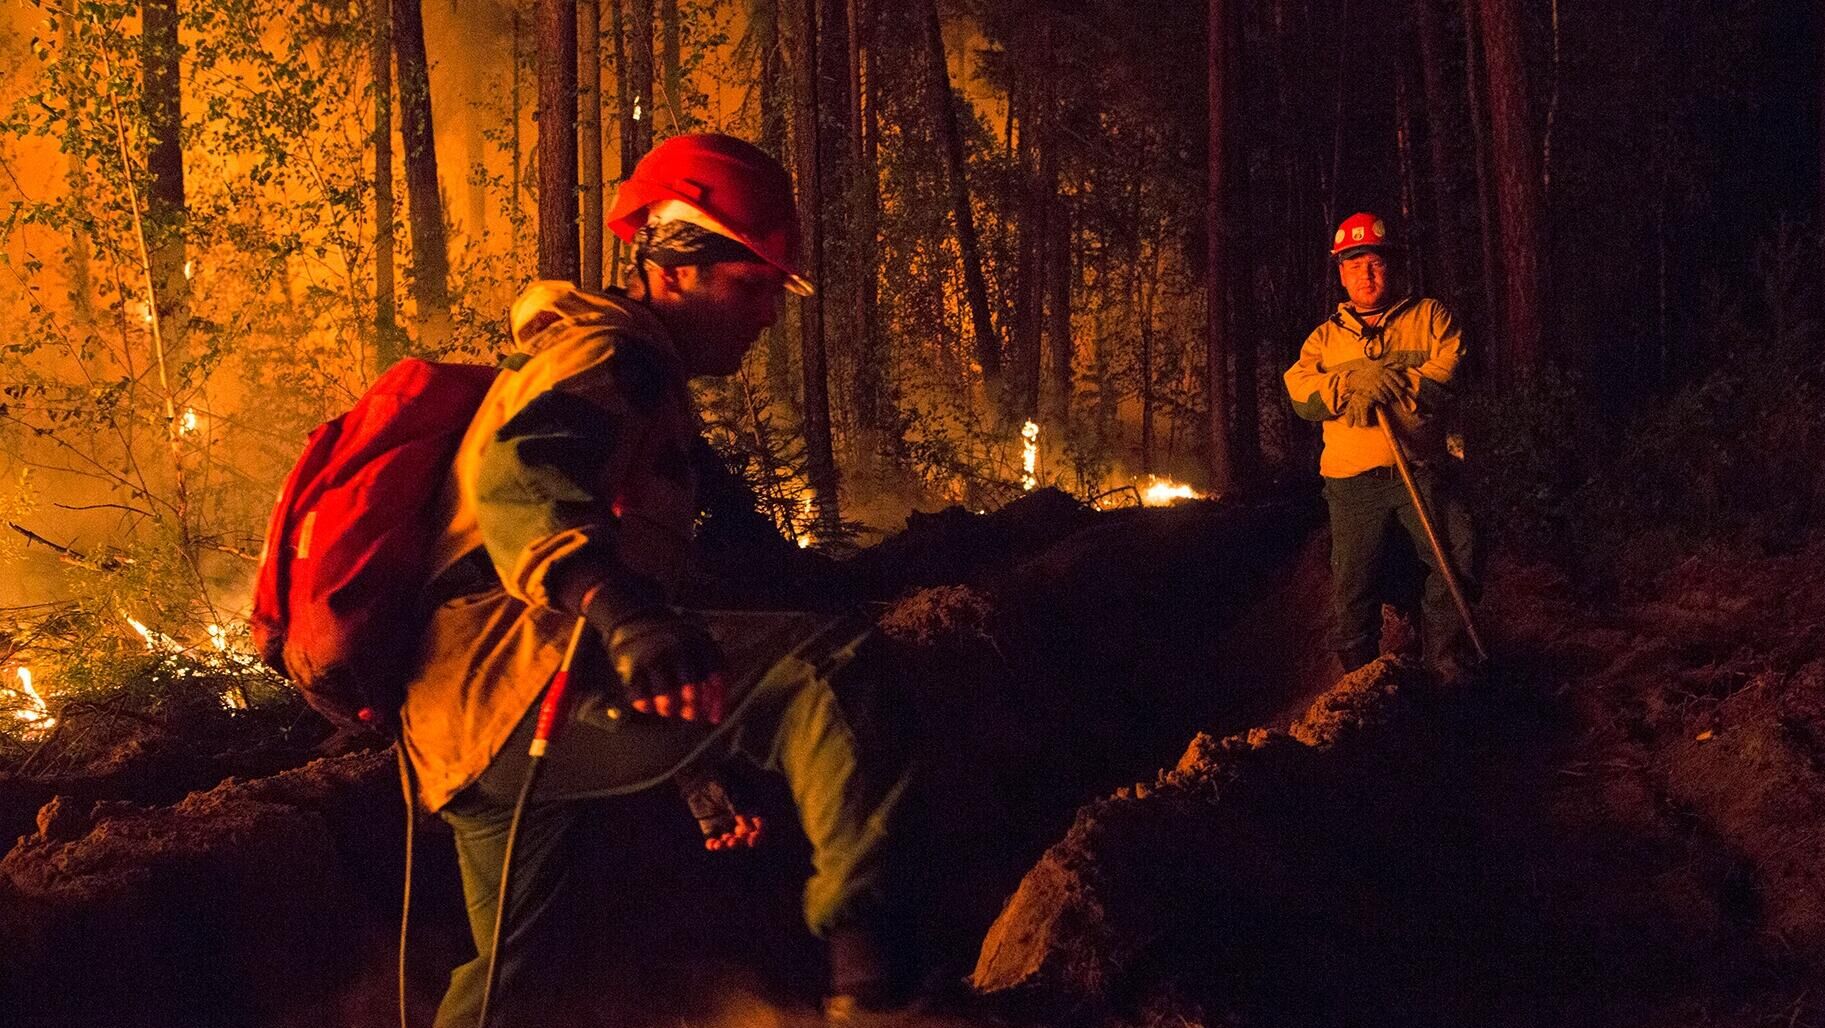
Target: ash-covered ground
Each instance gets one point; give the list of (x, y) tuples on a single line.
[(1151, 806)]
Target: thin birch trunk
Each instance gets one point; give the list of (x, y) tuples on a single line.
[(671, 62), (589, 139), (516, 214), (1485, 193), (640, 79), (1222, 464), (387, 342), (975, 284)]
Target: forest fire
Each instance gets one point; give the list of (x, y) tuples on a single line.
[(33, 711), (1163, 492), (1029, 456), (156, 642), (1587, 245)]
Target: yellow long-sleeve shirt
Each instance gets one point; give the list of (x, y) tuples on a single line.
[(1422, 340)]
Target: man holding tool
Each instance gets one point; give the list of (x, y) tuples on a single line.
[(572, 504), (1377, 374)]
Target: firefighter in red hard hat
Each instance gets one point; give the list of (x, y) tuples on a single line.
[(1385, 349), (574, 496)]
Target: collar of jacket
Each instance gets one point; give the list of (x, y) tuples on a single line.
[(1354, 323), (549, 304)]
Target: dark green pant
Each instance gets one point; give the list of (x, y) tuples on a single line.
[(1365, 512), (807, 702)]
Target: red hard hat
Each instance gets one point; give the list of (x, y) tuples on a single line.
[(1361, 230), (740, 191)]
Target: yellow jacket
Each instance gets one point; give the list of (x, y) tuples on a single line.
[(1421, 339), (577, 461)]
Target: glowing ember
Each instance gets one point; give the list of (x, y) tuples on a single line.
[(1029, 456), (33, 711), (189, 270), (156, 642), (807, 510), (1161, 492), (187, 424)]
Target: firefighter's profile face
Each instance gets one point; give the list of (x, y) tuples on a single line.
[(722, 309), (1365, 275)]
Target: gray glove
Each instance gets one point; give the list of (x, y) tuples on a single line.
[(668, 662), (1366, 387)]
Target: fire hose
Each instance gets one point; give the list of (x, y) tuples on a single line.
[(551, 713), (1432, 539)]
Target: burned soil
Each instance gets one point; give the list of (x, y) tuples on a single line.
[(1151, 805)]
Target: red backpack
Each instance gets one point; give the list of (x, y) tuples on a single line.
[(349, 545)]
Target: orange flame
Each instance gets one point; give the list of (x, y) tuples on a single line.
[(1029, 456), (34, 712)]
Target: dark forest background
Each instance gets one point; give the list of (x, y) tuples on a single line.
[(219, 219)]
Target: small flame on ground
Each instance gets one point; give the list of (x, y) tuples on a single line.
[(188, 422), (1029, 456), (189, 270), (35, 713), (1161, 492), (156, 642), (806, 508)]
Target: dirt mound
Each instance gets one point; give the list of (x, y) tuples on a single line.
[(1622, 828), (198, 912)]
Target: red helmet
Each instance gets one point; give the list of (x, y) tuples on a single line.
[(1362, 230), (725, 184)]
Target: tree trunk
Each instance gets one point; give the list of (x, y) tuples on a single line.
[(1439, 125), (589, 138), (640, 81), (474, 82), (430, 260), (1222, 464), (775, 92), (1403, 158), (166, 213), (624, 122), (671, 61), (764, 18), (624, 99), (820, 459), (1038, 180), (516, 215), (1517, 166), (975, 286), (1061, 274), (79, 257), (871, 375), (1145, 288), (557, 121), (1485, 193), (387, 342)]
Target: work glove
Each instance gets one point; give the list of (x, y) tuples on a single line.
[(667, 662), (1366, 387)]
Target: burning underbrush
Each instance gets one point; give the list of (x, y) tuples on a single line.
[(1621, 828)]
